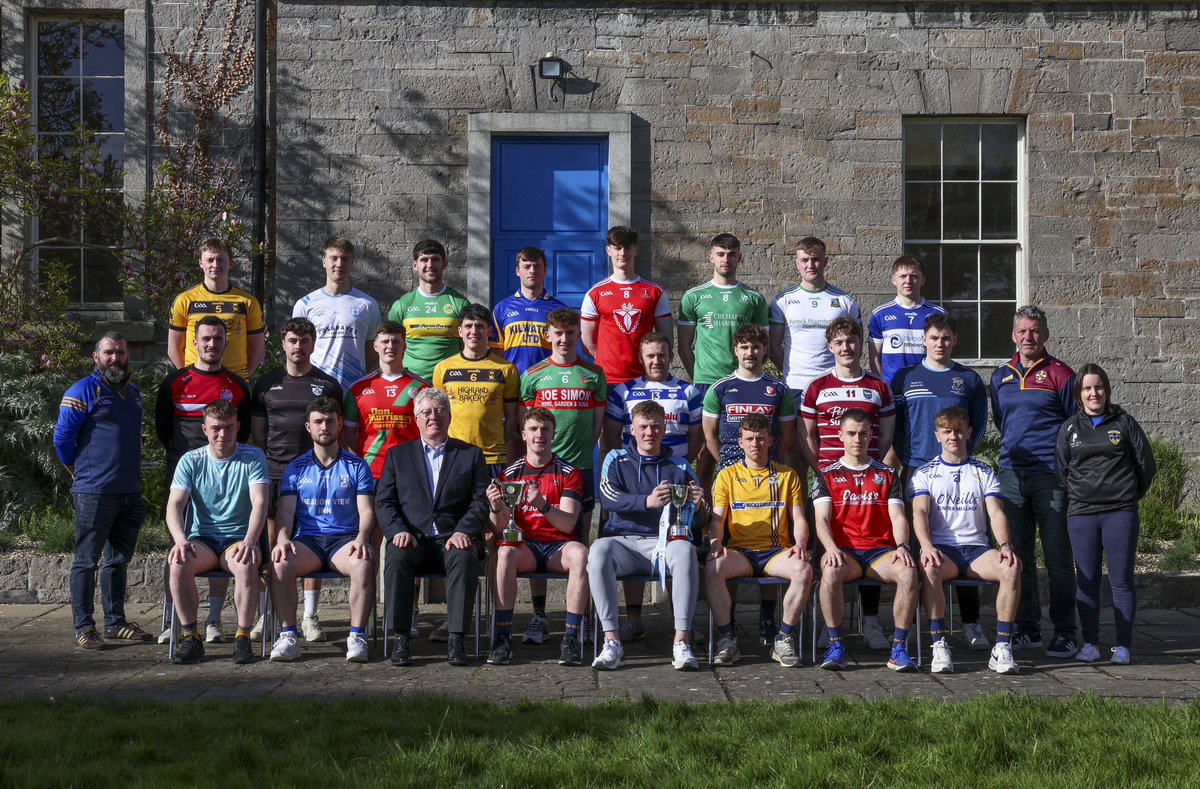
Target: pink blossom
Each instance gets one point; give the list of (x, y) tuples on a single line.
[(62, 199), (23, 85)]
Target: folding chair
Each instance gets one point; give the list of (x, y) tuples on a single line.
[(387, 622), (749, 580), (530, 576), (169, 613), (959, 583)]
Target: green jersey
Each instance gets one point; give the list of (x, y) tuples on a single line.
[(430, 328), (572, 392), (715, 312)]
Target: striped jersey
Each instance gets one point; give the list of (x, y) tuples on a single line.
[(478, 390), (681, 401), (957, 510), (557, 481), (732, 399), (241, 313), (430, 327), (859, 498), (383, 411), (624, 313), (326, 497), (345, 322), (920, 393), (758, 504), (572, 392), (716, 312), (805, 314), (519, 328), (182, 398), (828, 397), (900, 332)]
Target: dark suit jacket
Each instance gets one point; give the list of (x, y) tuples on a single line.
[(403, 501)]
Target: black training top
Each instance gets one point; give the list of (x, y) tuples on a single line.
[(281, 400)]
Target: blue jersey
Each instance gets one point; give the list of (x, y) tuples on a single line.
[(327, 498), (900, 332), (519, 329), (732, 399), (681, 401), (99, 432), (919, 394)]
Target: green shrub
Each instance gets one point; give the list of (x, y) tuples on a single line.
[(50, 529), (30, 474), (1170, 483), (1183, 555)]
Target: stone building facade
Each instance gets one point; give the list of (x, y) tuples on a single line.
[(772, 121)]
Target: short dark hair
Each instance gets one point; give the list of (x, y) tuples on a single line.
[(907, 261), (1077, 388), (563, 318), (725, 241), (855, 415), (532, 254), (340, 243), (954, 416), (211, 320), (111, 334), (219, 409), (475, 312), (301, 327), (942, 322), (429, 246), (323, 405), (812, 245), (750, 333), (622, 236), (755, 423), (839, 326), (539, 414), (390, 327), (648, 409)]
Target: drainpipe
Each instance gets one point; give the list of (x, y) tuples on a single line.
[(258, 283)]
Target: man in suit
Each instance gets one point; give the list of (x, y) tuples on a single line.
[(432, 506)]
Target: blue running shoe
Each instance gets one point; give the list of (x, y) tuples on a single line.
[(900, 661), (835, 657)]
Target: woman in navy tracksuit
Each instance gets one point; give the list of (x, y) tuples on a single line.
[(1104, 461)]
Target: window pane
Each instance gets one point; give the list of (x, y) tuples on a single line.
[(960, 151), (966, 317), (999, 216), (104, 49), (101, 282), (112, 149), (961, 219), (996, 322), (57, 105), (998, 270), (922, 206), (58, 221), (922, 152), (960, 275), (930, 257), (53, 146), (99, 229), (69, 260), (58, 48), (104, 104), (1000, 152)]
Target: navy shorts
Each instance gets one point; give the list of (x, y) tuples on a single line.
[(868, 558), (325, 546), (221, 545), (759, 560), (963, 556), (543, 552)]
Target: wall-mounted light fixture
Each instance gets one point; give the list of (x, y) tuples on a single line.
[(553, 69)]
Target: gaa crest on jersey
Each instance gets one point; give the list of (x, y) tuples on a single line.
[(226, 395), (770, 390), (1040, 376), (344, 480), (877, 479), (317, 389), (627, 317), (1114, 437), (958, 385)]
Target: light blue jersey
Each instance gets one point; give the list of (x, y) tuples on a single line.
[(327, 498), (344, 324), (682, 402), (220, 489), (900, 333)]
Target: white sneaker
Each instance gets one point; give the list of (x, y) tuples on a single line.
[(1088, 654), (165, 636), (538, 630), (873, 635), (682, 658), (310, 626), (213, 634), (356, 648), (942, 663), (257, 631), (975, 638), (727, 651), (611, 657), (1120, 656), (1002, 660), (287, 647)]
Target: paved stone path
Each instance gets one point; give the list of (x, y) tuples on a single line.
[(38, 660)]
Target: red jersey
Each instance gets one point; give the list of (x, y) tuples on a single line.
[(625, 313), (860, 499), (179, 410), (557, 481), (828, 397), (382, 410)]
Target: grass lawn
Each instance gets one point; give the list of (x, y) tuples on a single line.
[(427, 742)]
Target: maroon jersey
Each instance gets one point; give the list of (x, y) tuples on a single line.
[(179, 410), (859, 498), (557, 481), (828, 397)]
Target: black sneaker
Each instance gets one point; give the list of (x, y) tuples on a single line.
[(402, 651), (570, 653), (457, 654), (190, 650), (767, 630), (1061, 647), (500, 654), (1026, 641), (243, 653), (89, 639)]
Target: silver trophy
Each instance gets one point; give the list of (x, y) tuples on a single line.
[(680, 528), (514, 496)]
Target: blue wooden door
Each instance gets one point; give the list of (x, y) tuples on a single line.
[(552, 193)]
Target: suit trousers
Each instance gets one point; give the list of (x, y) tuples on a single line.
[(402, 566)]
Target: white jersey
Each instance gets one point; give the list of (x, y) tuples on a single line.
[(957, 512), (805, 314), (344, 324)]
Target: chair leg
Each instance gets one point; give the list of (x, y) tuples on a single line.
[(710, 636), (171, 628), (478, 606)]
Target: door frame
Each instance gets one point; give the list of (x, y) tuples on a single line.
[(480, 129)]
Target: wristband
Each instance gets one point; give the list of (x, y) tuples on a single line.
[(1007, 545)]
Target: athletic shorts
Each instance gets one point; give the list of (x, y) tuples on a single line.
[(760, 560), (222, 545), (963, 556), (868, 558), (325, 546), (702, 388), (543, 552)]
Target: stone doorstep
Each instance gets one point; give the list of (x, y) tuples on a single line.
[(27, 577)]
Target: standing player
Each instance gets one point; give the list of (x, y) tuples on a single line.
[(345, 317), (519, 321), (241, 313), (430, 313), (575, 392), (278, 417), (953, 498), (859, 507), (895, 327)]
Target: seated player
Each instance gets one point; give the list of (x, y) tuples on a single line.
[(325, 518), (226, 485), (949, 497), (859, 508), (762, 504), (547, 519)]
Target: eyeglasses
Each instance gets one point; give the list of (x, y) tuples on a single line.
[(425, 413)]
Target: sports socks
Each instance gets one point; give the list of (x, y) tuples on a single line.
[(937, 630), (291, 630), (1004, 631), (504, 619), (215, 604), (242, 632), (539, 604), (835, 634), (190, 630), (900, 636), (573, 623), (725, 630), (310, 602), (357, 631), (786, 630)]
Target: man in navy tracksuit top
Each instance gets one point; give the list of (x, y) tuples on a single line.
[(1031, 398), (98, 438), (634, 487)]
